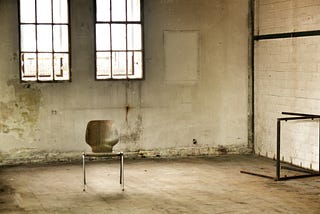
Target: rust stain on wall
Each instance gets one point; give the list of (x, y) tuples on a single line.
[(20, 114), (127, 112)]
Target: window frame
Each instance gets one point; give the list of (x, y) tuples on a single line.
[(141, 23), (52, 52)]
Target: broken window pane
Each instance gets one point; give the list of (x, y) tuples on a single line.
[(136, 73), (119, 64), (103, 65), (28, 66), (45, 66), (61, 66), (130, 63)]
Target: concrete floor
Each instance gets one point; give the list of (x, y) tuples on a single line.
[(186, 185)]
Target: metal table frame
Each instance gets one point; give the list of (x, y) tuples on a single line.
[(309, 173), (87, 155)]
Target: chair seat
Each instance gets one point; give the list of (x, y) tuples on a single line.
[(102, 154)]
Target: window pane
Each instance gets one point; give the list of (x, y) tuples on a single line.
[(27, 11), (28, 66), (44, 11), (103, 10), (60, 11), (134, 37), (45, 66), (133, 8), (44, 38), (103, 36), (137, 66), (103, 65), (28, 38), (119, 65), (118, 36), (61, 66), (60, 38), (130, 63), (118, 8)]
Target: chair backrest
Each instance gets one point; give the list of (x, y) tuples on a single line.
[(102, 135)]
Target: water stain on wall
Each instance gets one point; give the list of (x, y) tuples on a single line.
[(134, 131), (20, 115)]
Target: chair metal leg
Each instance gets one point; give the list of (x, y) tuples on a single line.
[(84, 171), (122, 170), (120, 161), (121, 155)]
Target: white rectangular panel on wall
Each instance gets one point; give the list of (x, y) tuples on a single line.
[(181, 52)]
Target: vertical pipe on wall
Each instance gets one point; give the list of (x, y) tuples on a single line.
[(251, 76)]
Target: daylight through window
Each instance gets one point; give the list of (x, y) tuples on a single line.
[(44, 40), (119, 52)]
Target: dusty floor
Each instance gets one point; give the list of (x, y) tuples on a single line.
[(187, 185)]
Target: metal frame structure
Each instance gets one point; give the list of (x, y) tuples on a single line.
[(309, 173), (85, 155)]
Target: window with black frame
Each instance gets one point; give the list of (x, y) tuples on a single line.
[(118, 34), (44, 40)]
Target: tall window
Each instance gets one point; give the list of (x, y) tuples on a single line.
[(118, 33), (44, 40)]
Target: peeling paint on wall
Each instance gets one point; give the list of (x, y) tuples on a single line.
[(19, 116)]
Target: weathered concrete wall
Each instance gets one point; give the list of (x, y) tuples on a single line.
[(156, 116), (287, 75)]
